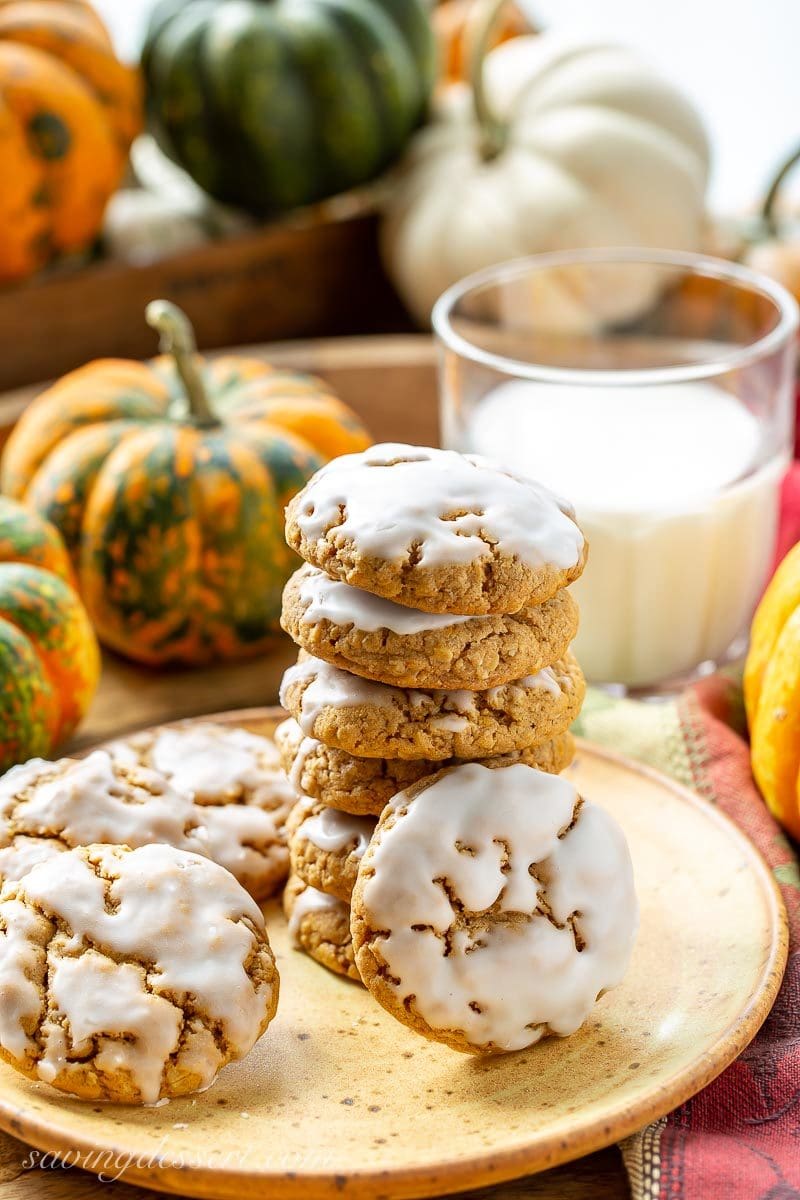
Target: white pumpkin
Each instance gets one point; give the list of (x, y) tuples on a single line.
[(557, 145)]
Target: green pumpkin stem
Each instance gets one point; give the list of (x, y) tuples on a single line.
[(768, 207), (176, 337), (493, 132)]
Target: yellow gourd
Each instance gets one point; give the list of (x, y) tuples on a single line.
[(772, 694)]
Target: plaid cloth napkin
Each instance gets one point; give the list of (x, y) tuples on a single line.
[(739, 1139)]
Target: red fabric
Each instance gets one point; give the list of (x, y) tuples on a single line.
[(790, 499), (739, 1139), (789, 527)]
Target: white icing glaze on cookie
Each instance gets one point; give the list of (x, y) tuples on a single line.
[(545, 680), (332, 687), (309, 901), (482, 831), (330, 600), (21, 777), (96, 994), (450, 723), (22, 1002), (89, 802), (292, 741), (22, 853), (212, 760), (242, 796), (246, 840), (332, 830), (182, 916), (392, 505)]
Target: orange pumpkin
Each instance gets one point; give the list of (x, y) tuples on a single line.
[(49, 659), (451, 21), (68, 113), (772, 693), (168, 482)]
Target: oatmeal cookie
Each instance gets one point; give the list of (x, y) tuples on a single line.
[(364, 786), (376, 720), (320, 925), (237, 781), (388, 642), (49, 807), (326, 846), (489, 913), (436, 530), (131, 975)]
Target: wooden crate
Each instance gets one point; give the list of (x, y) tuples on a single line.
[(315, 274)]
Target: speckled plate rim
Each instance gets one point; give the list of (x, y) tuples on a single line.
[(495, 1166)]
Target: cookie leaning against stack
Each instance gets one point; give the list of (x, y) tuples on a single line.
[(434, 628)]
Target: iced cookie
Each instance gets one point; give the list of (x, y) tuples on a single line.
[(49, 807), (376, 720), (238, 782), (436, 530), (364, 786), (320, 925), (489, 913), (326, 846), (382, 640), (131, 975)]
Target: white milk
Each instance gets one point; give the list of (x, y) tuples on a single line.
[(681, 527)]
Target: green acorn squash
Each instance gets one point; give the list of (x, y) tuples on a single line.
[(272, 104)]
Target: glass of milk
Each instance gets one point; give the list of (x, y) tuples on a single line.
[(655, 390)]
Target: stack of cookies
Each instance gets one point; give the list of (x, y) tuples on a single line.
[(434, 626)]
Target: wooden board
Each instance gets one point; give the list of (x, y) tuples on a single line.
[(291, 279), (338, 1099), (389, 381)]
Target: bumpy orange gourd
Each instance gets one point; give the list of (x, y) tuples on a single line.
[(167, 481), (69, 110), (49, 659), (772, 694)]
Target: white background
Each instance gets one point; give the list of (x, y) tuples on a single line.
[(738, 59)]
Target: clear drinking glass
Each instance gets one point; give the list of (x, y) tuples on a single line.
[(655, 390)]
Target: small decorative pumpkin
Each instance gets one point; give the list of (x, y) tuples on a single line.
[(273, 105), (69, 110), (49, 658), (451, 20), (773, 248), (557, 145), (772, 693), (168, 482)]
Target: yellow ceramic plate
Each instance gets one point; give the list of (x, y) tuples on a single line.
[(338, 1099)]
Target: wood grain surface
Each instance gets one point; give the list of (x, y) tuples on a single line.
[(288, 279), (391, 382)]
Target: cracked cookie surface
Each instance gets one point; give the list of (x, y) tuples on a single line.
[(436, 530), (49, 807), (490, 913), (364, 786), (388, 642), (320, 925), (238, 783), (131, 975), (326, 846), (377, 720)]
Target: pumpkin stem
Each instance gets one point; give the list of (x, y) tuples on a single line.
[(768, 207), (176, 337), (483, 18)]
